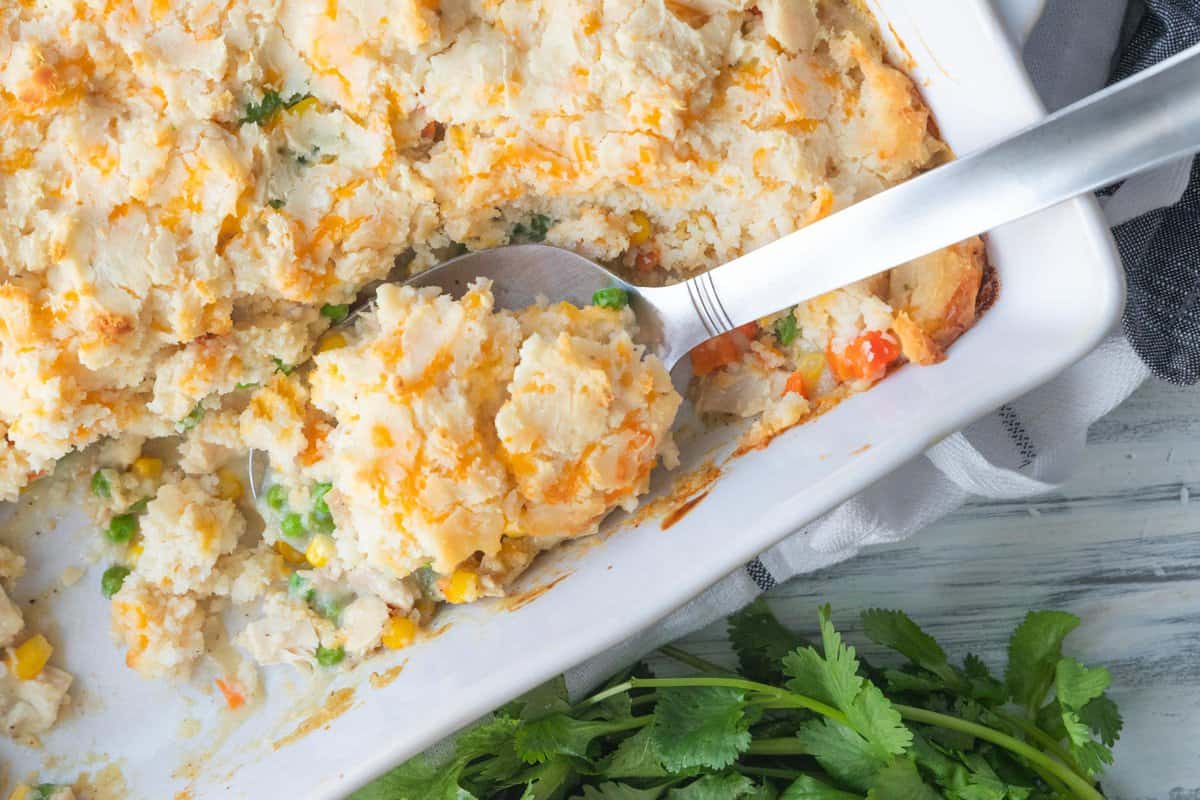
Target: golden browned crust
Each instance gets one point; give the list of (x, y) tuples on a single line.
[(916, 345), (939, 291)]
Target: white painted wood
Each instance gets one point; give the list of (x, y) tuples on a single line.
[(1119, 546)]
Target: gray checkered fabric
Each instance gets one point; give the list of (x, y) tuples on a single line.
[(1161, 250)]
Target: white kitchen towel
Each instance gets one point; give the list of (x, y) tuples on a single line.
[(1026, 448)]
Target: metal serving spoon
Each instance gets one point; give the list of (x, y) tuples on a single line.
[(1136, 125)]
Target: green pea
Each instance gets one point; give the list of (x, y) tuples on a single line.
[(336, 313), (100, 485), (330, 656), (319, 507), (113, 579), (298, 587), (320, 524), (275, 203), (277, 497), (45, 791), (122, 528), (329, 606), (613, 297), (292, 525), (192, 419)]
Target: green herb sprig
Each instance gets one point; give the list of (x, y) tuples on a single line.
[(798, 722), (272, 103)]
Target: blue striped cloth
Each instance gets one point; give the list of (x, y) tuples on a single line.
[(1161, 249)]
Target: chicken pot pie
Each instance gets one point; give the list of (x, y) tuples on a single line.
[(193, 193)]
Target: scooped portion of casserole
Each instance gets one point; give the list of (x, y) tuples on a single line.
[(192, 193)]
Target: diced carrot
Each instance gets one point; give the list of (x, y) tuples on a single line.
[(795, 384), (648, 258), (866, 358), (723, 350), (233, 695)]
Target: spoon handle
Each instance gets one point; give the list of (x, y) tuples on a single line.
[(1138, 124)]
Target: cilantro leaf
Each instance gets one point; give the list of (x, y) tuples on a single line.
[(542, 700), (807, 787), (1102, 716), (635, 757), (1033, 651), (984, 688), (901, 781), (548, 781), (620, 791), (417, 779), (700, 726), (874, 716), (494, 745), (844, 754), (1077, 685), (1092, 756), (832, 679), (761, 642), (727, 786), (897, 631), (541, 739)]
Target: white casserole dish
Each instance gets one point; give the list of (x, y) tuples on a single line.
[(1061, 290)]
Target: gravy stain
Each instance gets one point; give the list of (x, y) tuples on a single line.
[(516, 601), (910, 63), (378, 680), (680, 512), (336, 704), (685, 487)]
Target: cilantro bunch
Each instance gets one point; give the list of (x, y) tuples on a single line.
[(799, 722)]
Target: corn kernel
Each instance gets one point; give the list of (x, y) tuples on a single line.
[(290, 554), (135, 551), (27, 660), (810, 366), (305, 105), (148, 467), (333, 341), (463, 587), (21, 792), (229, 485), (399, 632), (641, 228), (320, 550)]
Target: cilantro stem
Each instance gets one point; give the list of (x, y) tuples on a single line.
[(780, 746), (779, 698), (684, 657), (1036, 758), (769, 772), (1042, 738)]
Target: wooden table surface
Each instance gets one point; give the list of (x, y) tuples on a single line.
[(1119, 546)]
